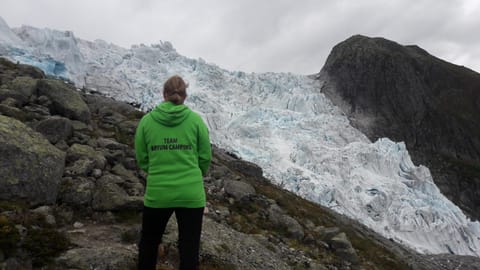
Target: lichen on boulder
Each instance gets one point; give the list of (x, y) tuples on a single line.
[(65, 100), (30, 166)]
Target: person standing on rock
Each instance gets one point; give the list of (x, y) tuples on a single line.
[(172, 146)]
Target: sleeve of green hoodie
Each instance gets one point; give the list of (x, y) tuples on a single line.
[(204, 148), (141, 152)]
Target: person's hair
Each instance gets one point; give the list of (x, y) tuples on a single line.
[(175, 90)]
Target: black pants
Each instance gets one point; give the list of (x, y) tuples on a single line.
[(189, 221)]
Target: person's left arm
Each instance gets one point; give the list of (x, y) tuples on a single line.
[(141, 151)]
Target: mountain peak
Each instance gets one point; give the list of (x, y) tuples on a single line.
[(404, 93)]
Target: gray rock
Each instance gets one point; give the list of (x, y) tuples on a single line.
[(97, 173), (450, 261), (113, 156), (80, 138), (247, 168), (342, 247), (10, 102), (220, 172), (62, 145), (47, 213), (6, 93), (110, 196), (78, 151), (111, 144), (278, 218), (18, 264), (77, 191), (121, 171), (44, 101), (24, 85), (39, 112), (80, 126), (55, 129), (21, 89), (326, 233), (130, 163), (237, 250), (111, 178), (81, 167), (134, 188), (65, 99), (100, 258), (238, 189), (107, 106), (13, 112), (30, 166), (219, 213), (126, 129), (22, 230)]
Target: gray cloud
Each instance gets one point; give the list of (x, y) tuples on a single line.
[(259, 36)]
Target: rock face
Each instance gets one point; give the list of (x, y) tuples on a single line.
[(30, 166), (406, 94)]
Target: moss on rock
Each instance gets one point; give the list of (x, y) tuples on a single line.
[(31, 167), (65, 100)]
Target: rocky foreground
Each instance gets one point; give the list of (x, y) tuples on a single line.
[(71, 196)]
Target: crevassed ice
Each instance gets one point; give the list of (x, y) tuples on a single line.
[(281, 122)]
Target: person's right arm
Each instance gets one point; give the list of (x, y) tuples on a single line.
[(204, 148)]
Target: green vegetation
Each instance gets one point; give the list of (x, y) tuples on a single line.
[(44, 244), (9, 236), (42, 241), (12, 206)]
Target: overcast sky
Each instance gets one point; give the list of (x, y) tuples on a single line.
[(259, 36)]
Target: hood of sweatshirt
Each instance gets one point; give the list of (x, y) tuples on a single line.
[(169, 114)]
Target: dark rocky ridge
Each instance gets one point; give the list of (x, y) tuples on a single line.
[(406, 94), (88, 215)]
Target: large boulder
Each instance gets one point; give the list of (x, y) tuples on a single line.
[(343, 247), (55, 128), (31, 168), (77, 191), (247, 168), (238, 189), (66, 101), (80, 151), (109, 196), (24, 85), (277, 217), (21, 89)]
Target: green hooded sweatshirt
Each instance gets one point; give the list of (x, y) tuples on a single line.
[(172, 146)]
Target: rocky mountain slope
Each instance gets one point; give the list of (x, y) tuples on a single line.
[(71, 196), (406, 94)]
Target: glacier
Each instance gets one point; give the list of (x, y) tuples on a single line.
[(280, 121)]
